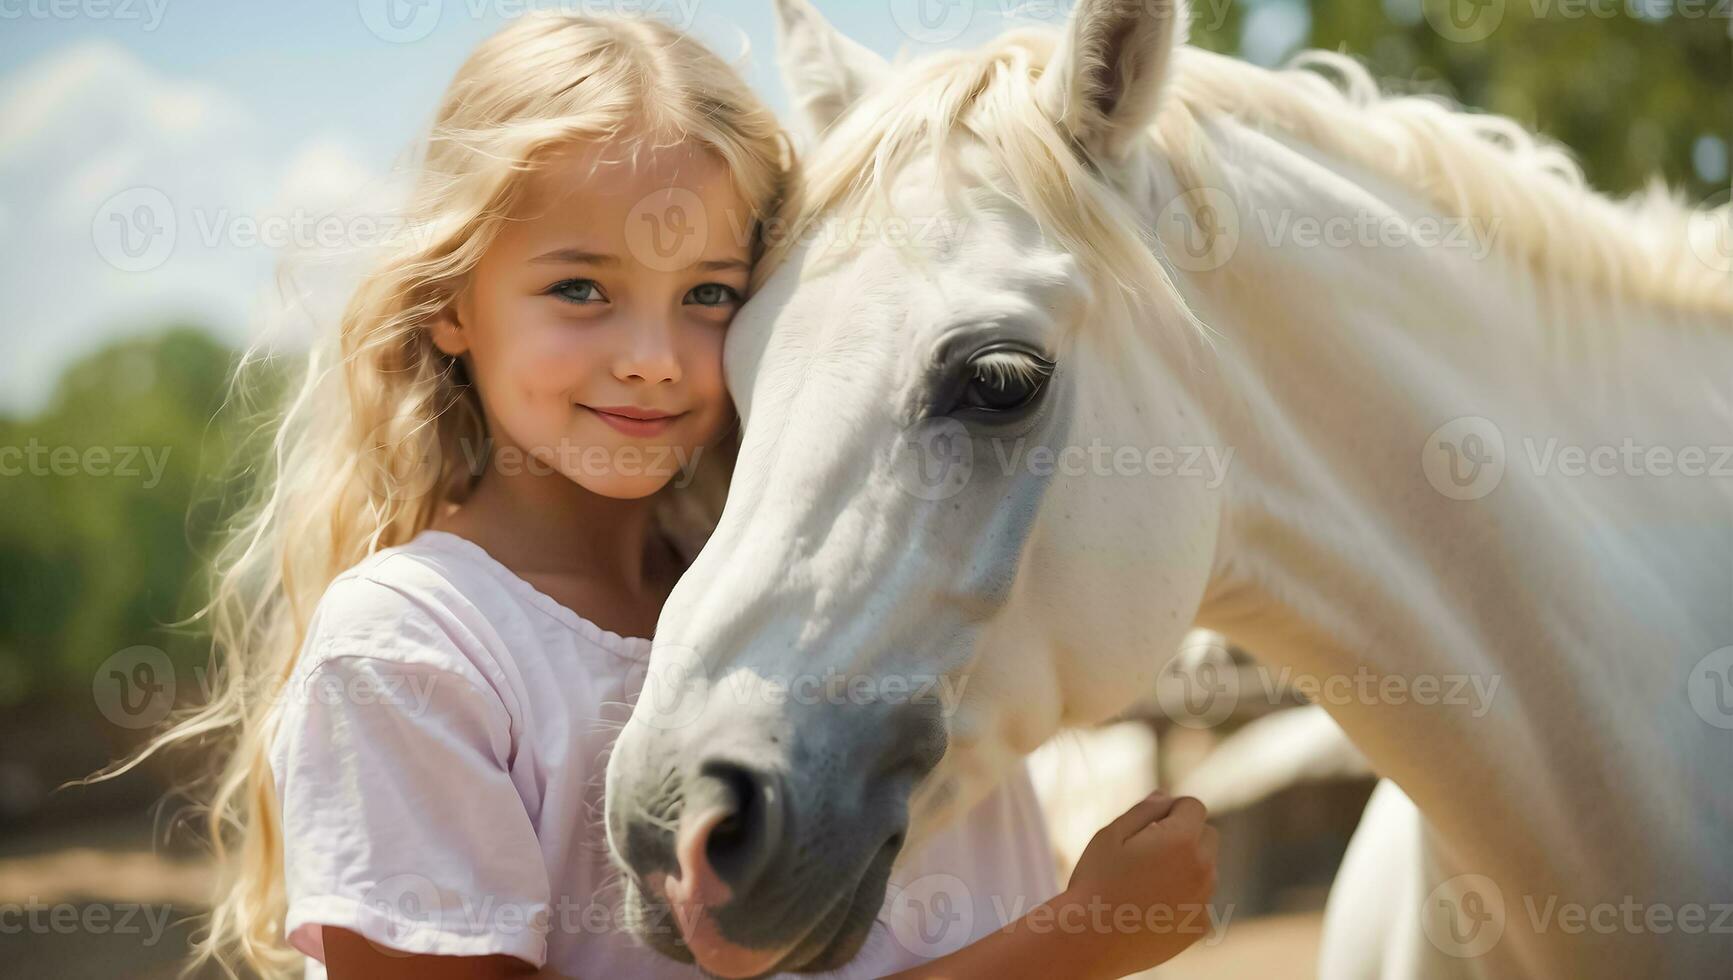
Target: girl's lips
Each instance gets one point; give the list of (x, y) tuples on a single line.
[(635, 427)]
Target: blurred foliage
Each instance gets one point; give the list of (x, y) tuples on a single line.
[(1631, 86), (111, 501)]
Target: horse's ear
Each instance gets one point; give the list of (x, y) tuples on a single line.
[(825, 72), (1106, 77)]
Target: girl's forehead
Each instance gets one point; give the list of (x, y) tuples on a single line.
[(664, 207), (622, 167)]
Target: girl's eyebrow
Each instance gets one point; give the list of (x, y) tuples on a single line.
[(577, 255), (718, 265)]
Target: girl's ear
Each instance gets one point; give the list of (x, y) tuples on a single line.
[(447, 329)]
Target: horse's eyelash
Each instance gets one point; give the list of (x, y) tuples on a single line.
[(1000, 366)]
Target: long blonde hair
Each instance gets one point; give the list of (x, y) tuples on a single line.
[(367, 447)]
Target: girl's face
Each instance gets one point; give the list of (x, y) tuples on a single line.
[(593, 325)]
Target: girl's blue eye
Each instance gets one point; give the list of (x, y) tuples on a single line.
[(578, 291), (712, 294)]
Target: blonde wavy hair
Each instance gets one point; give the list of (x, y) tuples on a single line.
[(366, 449)]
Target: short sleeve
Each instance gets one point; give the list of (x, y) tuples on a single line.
[(399, 815)]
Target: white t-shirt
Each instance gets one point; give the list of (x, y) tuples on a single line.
[(439, 760)]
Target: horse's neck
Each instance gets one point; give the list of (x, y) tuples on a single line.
[(1557, 618)]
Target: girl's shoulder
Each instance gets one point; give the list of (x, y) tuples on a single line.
[(442, 600), (415, 604)]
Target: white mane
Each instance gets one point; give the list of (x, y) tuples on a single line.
[(1467, 164)]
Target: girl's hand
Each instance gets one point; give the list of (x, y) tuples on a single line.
[(1143, 884), (1137, 898)]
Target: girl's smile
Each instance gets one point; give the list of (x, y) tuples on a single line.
[(634, 421)]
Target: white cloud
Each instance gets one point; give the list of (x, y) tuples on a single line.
[(323, 174), (132, 199)]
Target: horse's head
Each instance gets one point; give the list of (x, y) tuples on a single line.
[(966, 507)]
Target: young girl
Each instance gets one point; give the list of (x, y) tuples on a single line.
[(437, 614)]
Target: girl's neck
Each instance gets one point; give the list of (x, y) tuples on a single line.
[(546, 525)]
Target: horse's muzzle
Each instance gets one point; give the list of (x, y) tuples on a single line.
[(765, 833)]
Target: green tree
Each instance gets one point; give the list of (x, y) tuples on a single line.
[(110, 509), (1635, 88)]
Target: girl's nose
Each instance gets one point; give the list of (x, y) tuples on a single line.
[(648, 354)]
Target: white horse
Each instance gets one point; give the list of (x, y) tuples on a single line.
[(1138, 337)]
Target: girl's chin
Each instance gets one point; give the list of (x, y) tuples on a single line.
[(620, 487), (607, 463)]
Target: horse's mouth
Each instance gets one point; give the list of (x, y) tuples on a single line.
[(827, 943)]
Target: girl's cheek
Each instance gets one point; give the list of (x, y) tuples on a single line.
[(705, 346), (549, 351), (709, 384)]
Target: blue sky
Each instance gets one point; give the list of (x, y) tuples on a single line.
[(311, 67), (226, 118)]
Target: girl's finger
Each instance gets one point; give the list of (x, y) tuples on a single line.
[(1187, 814), (1142, 813)]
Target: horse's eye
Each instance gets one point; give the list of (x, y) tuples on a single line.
[(1004, 379)]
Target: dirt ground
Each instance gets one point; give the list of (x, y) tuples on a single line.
[(121, 910), (1277, 946)]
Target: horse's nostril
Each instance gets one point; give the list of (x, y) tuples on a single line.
[(742, 842), (731, 834)]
